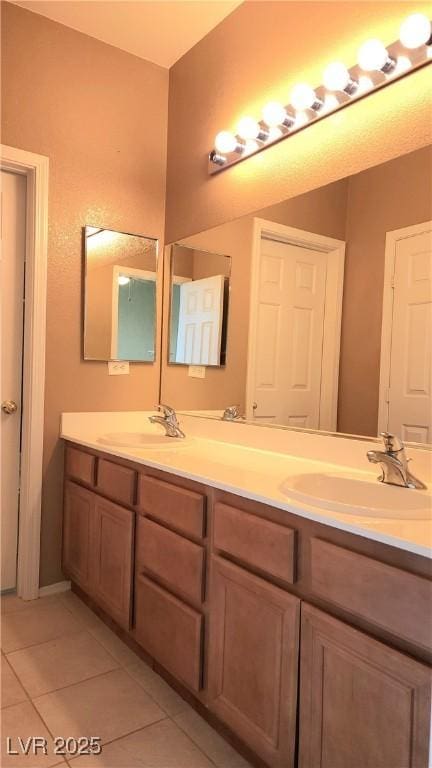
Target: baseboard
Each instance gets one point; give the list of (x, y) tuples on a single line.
[(52, 589)]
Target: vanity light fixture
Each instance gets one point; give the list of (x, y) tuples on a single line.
[(377, 66)]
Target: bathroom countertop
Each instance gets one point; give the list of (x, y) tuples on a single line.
[(261, 475)]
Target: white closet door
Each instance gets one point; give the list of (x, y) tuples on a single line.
[(410, 413), (200, 321), (290, 326)]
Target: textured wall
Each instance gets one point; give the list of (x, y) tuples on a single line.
[(100, 115), (256, 54)]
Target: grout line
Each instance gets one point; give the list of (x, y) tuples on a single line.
[(63, 687)]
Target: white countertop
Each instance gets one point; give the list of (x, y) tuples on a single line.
[(215, 456)]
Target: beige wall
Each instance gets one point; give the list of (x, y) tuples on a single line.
[(390, 196), (100, 115), (256, 54)]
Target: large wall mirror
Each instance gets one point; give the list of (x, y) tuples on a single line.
[(119, 296), (330, 319)]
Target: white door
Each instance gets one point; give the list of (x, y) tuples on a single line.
[(200, 321), (410, 379), (13, 211), (289, 334)]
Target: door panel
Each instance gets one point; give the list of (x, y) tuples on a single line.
[(13, 216), (77, 539), (253, 660), (200, 321), (362, 704), (289, 336)]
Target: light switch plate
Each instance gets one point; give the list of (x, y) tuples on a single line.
[(116, 368), (197, 371)]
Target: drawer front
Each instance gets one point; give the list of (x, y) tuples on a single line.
[(169, 631), (179, 507), (80, 465), (116, 481), (257, 542), (175, 560), (395, 600)]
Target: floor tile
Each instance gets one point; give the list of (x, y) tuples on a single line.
[(11, 603), (112, 643), (12, 691), (108, 706), (158, 689), (60, 662), (22, 721), (162, 745), (213, 745), (79, 609), (42, 622)]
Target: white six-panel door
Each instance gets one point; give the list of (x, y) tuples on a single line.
[(289, 334), (410, 373), (200, 321), (13, 212)]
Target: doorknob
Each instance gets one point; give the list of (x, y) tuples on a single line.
[(8, 406)]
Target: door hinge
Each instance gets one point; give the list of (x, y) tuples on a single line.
[(387, 395)]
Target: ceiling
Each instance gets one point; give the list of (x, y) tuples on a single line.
[(160, 31)]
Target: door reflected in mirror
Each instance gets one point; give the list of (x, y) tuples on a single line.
[(199, 306), (120, 296), (330, 309)]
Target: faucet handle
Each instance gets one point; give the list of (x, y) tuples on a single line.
[(391, 442), (167, 411)]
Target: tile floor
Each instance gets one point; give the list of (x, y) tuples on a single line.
[(64, 673)]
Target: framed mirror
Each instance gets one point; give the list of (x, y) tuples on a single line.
[(330, 309), (120, 273), (199, 298)]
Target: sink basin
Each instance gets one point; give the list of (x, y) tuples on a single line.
[(142, 440), (358, 496)]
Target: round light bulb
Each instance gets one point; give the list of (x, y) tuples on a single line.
[(373, 55), (123, 280), (274, 114), (415, 31), (304, 97), (248, 128), (336, 77), (225, 142)]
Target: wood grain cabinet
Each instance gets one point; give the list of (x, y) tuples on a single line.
[(253, 661), (77, 539), (362, 704)]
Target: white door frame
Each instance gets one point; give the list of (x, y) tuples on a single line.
[(35, 169), (141, 274), (392, 239), (335, 250)]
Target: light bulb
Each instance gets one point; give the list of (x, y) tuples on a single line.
[(373, 55), (337, 78), (123, 280), (304, 97), (274, 113), (248, 128), (225, 142), (415, 31)]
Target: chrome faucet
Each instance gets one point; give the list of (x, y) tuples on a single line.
[(232, 413), (168, 420), (394, 463)]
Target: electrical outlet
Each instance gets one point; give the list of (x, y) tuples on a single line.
[(118, 368), (197, 371)]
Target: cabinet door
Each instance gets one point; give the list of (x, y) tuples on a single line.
[(112, 547), (362, 704), (77, 522), (253, 661)]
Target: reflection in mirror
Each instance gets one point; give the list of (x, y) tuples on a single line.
[(199, 306), (330, 309), (120, 296)]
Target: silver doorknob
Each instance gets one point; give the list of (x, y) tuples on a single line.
[(8, 406)]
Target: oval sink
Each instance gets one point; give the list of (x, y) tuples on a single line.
[(142, 440), (358, 496)]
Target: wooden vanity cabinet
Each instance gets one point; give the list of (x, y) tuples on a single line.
[(77, 539)]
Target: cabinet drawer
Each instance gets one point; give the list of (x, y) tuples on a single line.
[(395, 600), (80, 465), (116, 481), (257, 542), (173, 559), (179, 507), (169, 631)]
